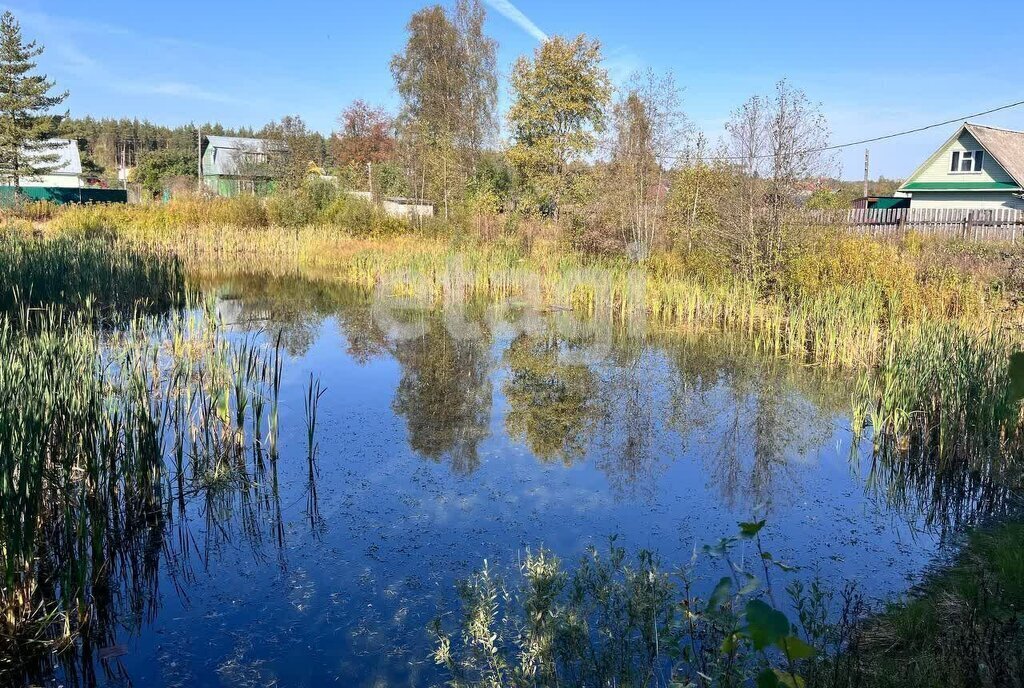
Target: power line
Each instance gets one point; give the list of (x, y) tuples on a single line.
[(924, 128), (861, 142)]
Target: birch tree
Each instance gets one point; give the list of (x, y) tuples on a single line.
[(649, 135), (446, 77), (558, 111), (777, 144)]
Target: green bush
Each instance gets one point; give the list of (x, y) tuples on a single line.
[(289, 209)]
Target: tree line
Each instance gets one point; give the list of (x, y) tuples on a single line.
[(610, 168)]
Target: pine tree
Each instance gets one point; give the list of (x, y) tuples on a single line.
[(25, 103)]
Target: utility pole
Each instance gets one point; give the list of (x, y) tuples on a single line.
[(369, 178), (199, 171), (867, 158)]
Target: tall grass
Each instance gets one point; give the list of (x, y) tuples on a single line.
[(71, 271), (839, 297), (324, 208), (946, 422), (961, 627), (104, 436)]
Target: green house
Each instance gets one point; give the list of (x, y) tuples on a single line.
[(977, 168), (235, 165)]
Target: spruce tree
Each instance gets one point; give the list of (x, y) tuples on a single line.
[(25, 103)]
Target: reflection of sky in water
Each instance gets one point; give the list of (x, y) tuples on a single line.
[(677, 443)]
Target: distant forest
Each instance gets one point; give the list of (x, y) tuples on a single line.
[(105, 144)]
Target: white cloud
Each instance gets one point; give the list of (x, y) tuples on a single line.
[(510, 11), (63, 35), (177, 89)]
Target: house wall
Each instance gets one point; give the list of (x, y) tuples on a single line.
[(233, 186), (938, 169), (977, 200), (61, 181), (407, 210)]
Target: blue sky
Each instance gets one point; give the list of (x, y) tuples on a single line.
[(876, 67)]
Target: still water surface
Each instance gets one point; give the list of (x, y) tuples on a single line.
[(451, 435)]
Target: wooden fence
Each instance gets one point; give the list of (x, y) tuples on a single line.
[(998, 224)]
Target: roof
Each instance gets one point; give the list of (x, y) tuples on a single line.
[(1005, 146), (68, 160), (223, 154)]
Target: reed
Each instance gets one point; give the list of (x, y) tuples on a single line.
[(946, 423), (104, 436), (838, 297), (70, 271), (311, 405)]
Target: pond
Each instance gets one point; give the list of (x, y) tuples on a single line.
[(453, 434)]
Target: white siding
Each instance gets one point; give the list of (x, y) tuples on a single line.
[(976, 200), (938, 170), (64, 181)]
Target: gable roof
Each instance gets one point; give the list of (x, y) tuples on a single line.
[(228, 150), (68, 160), (1005, 146)]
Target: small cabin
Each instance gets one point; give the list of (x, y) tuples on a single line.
[(977, 168), (63, 173), (235, 165), (61, 181)]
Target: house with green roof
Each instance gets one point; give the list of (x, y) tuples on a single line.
[(977, 168)]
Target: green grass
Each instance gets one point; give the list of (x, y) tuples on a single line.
[(76, 273), (964, 627)]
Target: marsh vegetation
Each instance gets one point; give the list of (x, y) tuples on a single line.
[(149, 420), (114, 421)]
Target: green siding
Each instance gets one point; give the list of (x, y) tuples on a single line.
[(888, 202), (233, 186), (937, 170), (960, 186)]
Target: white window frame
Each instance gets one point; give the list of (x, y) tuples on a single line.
[(976, 157)]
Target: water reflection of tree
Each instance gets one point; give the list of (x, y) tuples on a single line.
[(444, 393), (631, 397), (552, 405), (753, 413), (749, 416), (288, 306), (366, 338)]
